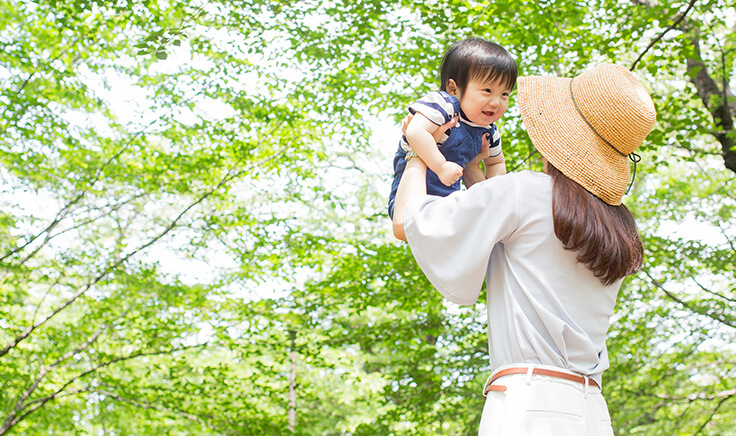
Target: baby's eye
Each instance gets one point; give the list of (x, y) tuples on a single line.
[(488, 90)]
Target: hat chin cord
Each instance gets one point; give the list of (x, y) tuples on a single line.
[(633, 157)]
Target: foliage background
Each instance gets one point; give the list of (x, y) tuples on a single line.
[(184, 183)]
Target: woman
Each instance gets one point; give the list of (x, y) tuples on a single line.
[(553, 248)]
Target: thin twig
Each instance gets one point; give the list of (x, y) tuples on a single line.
[(531, 155), (43, 299), (45, 371), (725, 235), (698, 396), (14, 419), (57, 219)]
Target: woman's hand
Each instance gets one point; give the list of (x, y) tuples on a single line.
[(438, 133), (472, 173), (485, 147)]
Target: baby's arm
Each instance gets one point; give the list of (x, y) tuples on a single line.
[(495, 166), (419, 135)]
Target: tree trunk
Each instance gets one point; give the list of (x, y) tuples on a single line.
[(292, 385), (719, 101), (714, 99)]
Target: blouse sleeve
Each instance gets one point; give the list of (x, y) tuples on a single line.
[(452, 237), (438, 106)]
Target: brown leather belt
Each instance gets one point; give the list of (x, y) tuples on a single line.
[(537, 371)]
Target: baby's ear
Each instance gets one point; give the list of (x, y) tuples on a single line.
[(451, 87)]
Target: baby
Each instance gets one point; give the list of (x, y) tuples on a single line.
[(477, 78)]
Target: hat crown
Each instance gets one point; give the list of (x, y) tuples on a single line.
[(615, 105), (587, 126)]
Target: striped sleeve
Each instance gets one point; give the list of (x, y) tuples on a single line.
[(438, 106), (495, 141)]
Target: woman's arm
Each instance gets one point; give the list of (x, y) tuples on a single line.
[(413, 183), (472, 173)]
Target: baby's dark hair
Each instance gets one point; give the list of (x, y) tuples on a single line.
[(476, 58)]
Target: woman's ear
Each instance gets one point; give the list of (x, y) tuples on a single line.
[(452, 88)]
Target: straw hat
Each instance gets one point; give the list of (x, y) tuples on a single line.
[(588, 126)]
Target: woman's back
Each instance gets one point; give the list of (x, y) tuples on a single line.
[(553, 310), (544, 306)]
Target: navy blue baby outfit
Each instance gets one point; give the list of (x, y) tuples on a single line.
[(461, 144)]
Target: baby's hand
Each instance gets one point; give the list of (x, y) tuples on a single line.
[(450, 172)]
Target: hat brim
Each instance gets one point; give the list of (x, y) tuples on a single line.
[(562, 136)]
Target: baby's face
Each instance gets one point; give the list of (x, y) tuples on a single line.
[(485, 101)]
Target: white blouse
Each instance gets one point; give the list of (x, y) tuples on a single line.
[(543, 306)]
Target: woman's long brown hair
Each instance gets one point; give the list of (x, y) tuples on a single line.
[(603, 236)]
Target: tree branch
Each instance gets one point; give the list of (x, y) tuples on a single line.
[(57, 219), (148, 405), (731, 394), (45, 371), (684, 304), (716, 294), (43, 299), (699, 396), (659, 37), (722, 112), (14, 417), (91, 181), (725, 236), (231, 174), (524, 161)]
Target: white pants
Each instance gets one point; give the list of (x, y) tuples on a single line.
[(538, 405)]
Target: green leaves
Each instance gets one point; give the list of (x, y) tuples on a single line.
[(183, 185)]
